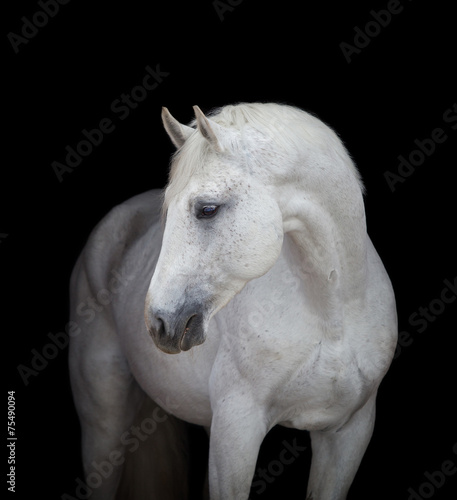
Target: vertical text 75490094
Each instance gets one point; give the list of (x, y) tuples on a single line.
[(11, 445)]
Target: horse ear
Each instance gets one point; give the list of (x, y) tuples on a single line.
[(208, 129), (177, 132)]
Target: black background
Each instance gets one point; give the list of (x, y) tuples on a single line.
[(394, 91)]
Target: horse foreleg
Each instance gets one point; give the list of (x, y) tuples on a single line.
[(337, 455), (237, 432), (107, 399)]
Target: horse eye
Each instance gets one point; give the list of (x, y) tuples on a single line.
[(208, 211)]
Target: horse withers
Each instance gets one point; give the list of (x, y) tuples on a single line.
[(251, 296)]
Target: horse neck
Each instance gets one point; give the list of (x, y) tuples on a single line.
[(328, 244)]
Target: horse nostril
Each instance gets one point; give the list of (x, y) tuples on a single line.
[(188, 324), (155, 325), (186, 330), (159, 326)]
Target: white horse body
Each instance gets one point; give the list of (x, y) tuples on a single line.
[(276, 305)]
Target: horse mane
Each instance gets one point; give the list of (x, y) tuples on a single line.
[(290, 128)]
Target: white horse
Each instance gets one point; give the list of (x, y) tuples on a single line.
[(247, 295)]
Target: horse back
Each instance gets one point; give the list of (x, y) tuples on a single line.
[(120, 244)]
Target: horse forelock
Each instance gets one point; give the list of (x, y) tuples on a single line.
[(190, 159)]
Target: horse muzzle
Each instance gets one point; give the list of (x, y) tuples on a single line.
[(176, 331)]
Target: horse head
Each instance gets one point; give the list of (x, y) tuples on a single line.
[(223, 228)]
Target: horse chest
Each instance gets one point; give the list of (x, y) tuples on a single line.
[(316, 387), (321, 397)]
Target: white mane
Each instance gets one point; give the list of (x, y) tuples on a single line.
[(290, 129)]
